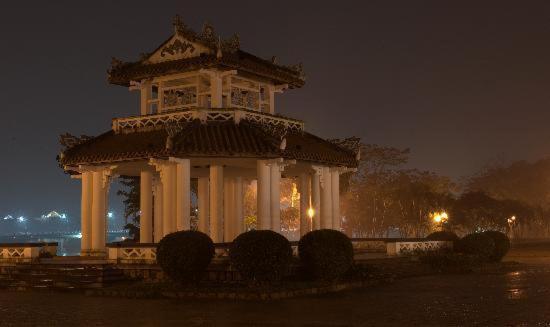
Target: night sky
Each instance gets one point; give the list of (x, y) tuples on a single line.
[(461, 83)]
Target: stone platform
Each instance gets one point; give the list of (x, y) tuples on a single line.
[(59, 273)]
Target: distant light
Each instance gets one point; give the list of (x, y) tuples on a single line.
[(21, 219), (511, 220), (54, 214), (8, 217), (110, 214)]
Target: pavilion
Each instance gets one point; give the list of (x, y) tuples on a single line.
[(207, 112)]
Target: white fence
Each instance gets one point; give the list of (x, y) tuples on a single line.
[(407, 248), (21, 252), (132, 253)]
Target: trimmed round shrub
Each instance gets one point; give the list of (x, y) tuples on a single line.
[(443, 236), (261, 256), (184, 256), (477, 244), (502, 245), (325, 254)]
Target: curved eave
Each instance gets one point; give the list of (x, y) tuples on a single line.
[(216, 140), (241, 61)]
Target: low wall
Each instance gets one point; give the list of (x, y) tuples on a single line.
[(26, 252), (408, 248)]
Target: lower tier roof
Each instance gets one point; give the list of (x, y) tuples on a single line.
[(224, 139)]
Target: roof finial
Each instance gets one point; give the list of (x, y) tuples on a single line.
[(219, 52), (178, 24)]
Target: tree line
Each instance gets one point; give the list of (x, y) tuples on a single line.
[(383, 198)]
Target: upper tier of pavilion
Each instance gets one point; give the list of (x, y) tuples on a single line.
[(201, 96)]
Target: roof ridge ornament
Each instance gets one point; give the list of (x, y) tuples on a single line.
[(208, 34), (179, 25)]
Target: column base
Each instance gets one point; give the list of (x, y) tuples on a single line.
[(85, 253), (97, 253)]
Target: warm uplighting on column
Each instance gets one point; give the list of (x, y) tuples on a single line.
[(310, 212)]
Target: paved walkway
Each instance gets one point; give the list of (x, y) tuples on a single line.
[(518, 298)]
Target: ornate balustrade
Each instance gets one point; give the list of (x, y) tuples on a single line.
[(144, 253), (410, 247), (121, 125), (26, 252)]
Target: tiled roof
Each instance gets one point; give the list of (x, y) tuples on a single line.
[(240, 60), (215, 139)]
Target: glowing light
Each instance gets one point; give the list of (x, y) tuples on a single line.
[(512, 220), (110, 215), (21, 219), (311, 212), (54, 214), (8, 217), (439, 217)]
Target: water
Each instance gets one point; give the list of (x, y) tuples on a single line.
[(68, 243)]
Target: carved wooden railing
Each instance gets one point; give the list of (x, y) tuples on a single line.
[(129, 124)]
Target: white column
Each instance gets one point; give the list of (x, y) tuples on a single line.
[(228, 209), (86, 213), (305, 226), (275, 206), (316, 201), (204, 205), (158, 217), (145, 96), (216, 96), (326, 199), (335, 186), (146, 207), (98, 213), (168, 197), (216, 203), (263, 195), (183, 200), (239, 207)]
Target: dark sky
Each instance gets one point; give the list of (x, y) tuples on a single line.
[(458, 82)]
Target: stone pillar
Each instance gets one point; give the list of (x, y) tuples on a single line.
[(228, 209), (326, 199), (263, 195), (204, 205), (275, 205), (239, 207), (86, 213), (183, 193), (316, 201), (335, 186), (216, 96), (145, 96), (158, 217), (216, 203), (98, 212), (305, 225), (146, 207), (168, 175)]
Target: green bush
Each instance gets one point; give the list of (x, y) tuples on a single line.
[(502, 245), (443, 236), (477, 244), (261, 256), (325, 254), (184, 256)]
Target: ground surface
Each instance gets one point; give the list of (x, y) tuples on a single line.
[(517, 298)]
